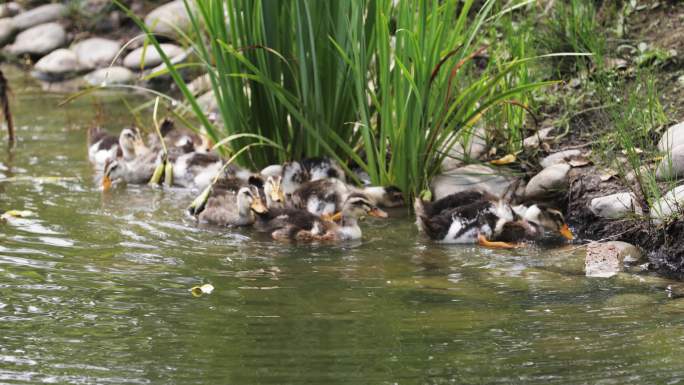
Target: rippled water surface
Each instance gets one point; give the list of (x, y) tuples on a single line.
[(95, 289)]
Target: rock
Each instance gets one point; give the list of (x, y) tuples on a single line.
[(672, 164), (560, 157), (166, 19), (471, 145), (534, 141), (7, 30), (96, 52), (58, 64), (207, 103), (668, 205), (615, 205), (94, 7), (472, 177), (607, 259), (134, 59), (40, 15), (200, 85), (673, 137), (550, 179), (110, 75), (39, 40), (174, 60), (10, 9)]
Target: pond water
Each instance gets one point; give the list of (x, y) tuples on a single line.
[(94, 289)]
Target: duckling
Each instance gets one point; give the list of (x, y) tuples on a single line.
[(101, 146), (325, 196), (544, 218), (196, 169), (481, 221), (137, 171), (183, 139), (323, 167), (233, 209), (299, 225), (293, 175), (275, 198), (131, 144)]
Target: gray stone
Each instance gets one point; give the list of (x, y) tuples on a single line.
[(607, 259), (200, 85), (110, 75), (40, 15), (470, 146), (7, 30), (166, 19), (472, 177), (615, 205), (672, 164), (152, 58), (96, 52), (669, 205), (58, 63), (551, 179), (560, 157), (10, 9), (39, 40), (673, 137), (179, 58), (534, 141)]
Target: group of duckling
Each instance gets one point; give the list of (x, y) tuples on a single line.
[(304, 201)]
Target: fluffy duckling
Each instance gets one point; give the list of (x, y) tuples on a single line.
[(196, 169), (299, 225), (475, 217), (233, 208), (326, 196), (137, 171), (544, 218), (101, 146), (322, 167), (293, 174), (273, 193), (184, 140)]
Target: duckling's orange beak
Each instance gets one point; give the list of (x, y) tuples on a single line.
[(106, 182), (258, 206), (376, 212), (566, 233)]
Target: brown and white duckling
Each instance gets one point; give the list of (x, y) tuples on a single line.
[(196, 169), (233, 208), (544, 218), (183, 139), (137, 171), (326, 196), (273, 193), (102, 146), (322, 167), (299, 225)]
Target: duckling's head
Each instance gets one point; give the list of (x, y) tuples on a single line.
[(358, 205), (548, 219), (390, 196), (248, 199), (129, 141), (113, 171), (274, 192), (293, 175)]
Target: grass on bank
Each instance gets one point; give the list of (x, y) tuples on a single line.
[(388, 88)]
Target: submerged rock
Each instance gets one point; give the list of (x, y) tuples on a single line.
[(58, 64), (151, 57), (7, 30), (560, 157), (668, 205), (673, 137), (166, 19), (615, 205), (10, 9), (110, 75), (39, 40), (40, 15), (607, 259), (551, 179), (472, 177), (96, 52)]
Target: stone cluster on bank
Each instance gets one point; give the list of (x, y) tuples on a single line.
[(59, 55)]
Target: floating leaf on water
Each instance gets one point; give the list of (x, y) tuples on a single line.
[(17, 214), (508, 159), (198, 291)]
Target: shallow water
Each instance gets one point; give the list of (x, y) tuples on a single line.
[(95, 289)]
